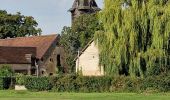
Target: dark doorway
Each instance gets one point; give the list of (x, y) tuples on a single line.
[(58, 61)]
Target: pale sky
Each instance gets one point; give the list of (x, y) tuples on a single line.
[(51, 15)]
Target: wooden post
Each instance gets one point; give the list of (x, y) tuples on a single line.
[(78, 61), (37, 69)]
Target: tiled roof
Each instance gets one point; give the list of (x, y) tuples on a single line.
[(15, 55), (41, 43)]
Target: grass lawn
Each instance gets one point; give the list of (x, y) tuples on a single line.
[(25, 95)]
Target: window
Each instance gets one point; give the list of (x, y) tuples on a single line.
[(58, 60), (51, 59), (42, 72), (50, 74)]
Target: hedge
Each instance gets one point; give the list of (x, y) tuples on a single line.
[(37, 84), (75, 83), (6, 83)]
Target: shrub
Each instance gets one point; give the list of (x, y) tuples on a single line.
[(38, 83), (20, 79), (74, 83), (65, 83), (6, 79), (160, 83), (94, 84), (6, 71), (133, 84)]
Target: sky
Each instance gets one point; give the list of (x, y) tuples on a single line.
[(51, 15)]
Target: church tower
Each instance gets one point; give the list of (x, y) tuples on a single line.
[(83, 7)]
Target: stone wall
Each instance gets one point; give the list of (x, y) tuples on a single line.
[(48, 64), (88, 62)]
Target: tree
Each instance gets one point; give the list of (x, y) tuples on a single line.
[(85, 26), (76, 37), (136, 37), (17, 25), (70, 42)]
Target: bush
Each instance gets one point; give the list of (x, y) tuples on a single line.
[(20, 79), (6, 80), (133, 84), (160, 83), (38, 83), (74, 83), (94, 84), (65, 83), (6, 71)]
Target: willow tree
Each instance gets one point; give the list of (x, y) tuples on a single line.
[(136, 37)]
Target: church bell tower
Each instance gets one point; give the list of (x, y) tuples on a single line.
[(83, 7)]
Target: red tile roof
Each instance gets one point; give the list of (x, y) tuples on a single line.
[(15, 55), (42, 43)]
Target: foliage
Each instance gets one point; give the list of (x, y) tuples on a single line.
[(70, 42), (85, 26), (20, 79), (37, 83), (66, 83), (5, 82), (17, 25), (87, 84), (136, 37), (73, 83), (76, 37), (93, 84), (6, 79), (6, 71)]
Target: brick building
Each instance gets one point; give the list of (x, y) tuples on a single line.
[(35, 55)]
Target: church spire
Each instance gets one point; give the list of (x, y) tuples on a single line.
[(83, 7)]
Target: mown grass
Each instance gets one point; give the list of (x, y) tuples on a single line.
[(25, 95)]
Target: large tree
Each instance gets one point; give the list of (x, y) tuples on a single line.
[(136, 37), (17, 25)]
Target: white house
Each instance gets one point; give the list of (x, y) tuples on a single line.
[(87, 62)]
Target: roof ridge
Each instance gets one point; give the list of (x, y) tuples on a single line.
[(31, 36)]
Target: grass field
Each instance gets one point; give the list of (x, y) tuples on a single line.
[(25, 95)]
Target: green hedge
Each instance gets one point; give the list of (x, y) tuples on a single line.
[(74, 83), (38, 84)]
